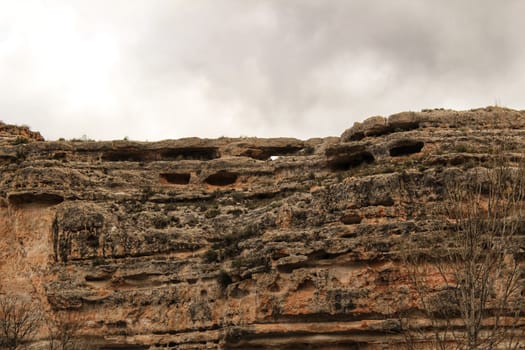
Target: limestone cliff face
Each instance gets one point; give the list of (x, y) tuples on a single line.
[(232, 243)]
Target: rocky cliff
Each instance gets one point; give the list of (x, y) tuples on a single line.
[(241, 243)]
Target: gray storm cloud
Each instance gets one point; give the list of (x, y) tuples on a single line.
[(167, 69)]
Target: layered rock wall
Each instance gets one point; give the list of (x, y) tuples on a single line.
[(234, 243)]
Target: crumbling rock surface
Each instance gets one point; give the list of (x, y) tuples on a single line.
[(233, 243)]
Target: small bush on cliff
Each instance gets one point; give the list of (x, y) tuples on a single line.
[(211, 256), (224, 279), (21, 153), (212, 213), (20, 140)]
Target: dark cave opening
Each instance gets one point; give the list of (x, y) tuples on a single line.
[(221, 178), (175, 178), (405, 148)]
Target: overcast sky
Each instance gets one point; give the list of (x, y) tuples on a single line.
[(157, 69)]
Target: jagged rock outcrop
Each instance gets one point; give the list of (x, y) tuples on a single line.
[(233, 243)]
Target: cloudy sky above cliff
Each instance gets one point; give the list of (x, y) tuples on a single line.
[(156, 69)]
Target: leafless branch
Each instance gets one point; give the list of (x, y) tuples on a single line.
[(19, 321), (468, 285)]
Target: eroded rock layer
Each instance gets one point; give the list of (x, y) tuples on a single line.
[(233, 243)]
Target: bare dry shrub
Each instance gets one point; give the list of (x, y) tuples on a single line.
[(20, 319), (466, 278)]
